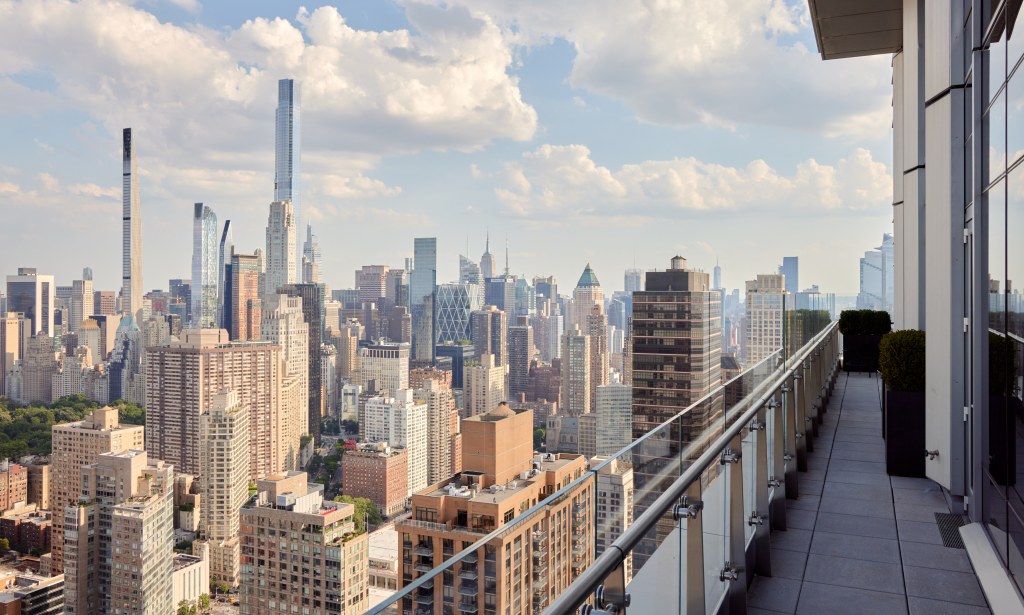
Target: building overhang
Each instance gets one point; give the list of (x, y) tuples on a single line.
[(847, 29)]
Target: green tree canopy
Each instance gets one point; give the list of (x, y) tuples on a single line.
[(365, 510)]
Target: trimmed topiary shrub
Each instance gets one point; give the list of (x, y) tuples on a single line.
[(901, 360)]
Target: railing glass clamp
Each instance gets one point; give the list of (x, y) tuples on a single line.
[(729, 572), (730, 456), (774, 482), (757, 426), (687, 509), (755, 519)]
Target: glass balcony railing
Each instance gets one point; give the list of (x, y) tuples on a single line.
[(696, 493)]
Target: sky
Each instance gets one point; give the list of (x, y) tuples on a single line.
[(614, 132)]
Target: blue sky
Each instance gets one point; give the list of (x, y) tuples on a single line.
[(597, 131)]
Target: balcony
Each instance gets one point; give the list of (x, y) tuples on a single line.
[(783, 474), (469, 574), (424, 550), (422, 567), (426, 598), (540, 537), (468, 607)]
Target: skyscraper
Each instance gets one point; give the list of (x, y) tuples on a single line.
[(487, 268), (455, 304), (312, 296), (716, 282), (285, 326), (877, 277), (576, 374), (423, 297), (204, 267), (131, 225), (224, 474), (401, 421), (489, 333), (520, 351), (227, 248), (544, 553), (120, 537), (765, 304), (242, 302), (280, 265), (633, 280), (183, 377), (82, 299), (312, 267), (484, 384), (668, 378), (286, 165), (334, 558), (33, 295), (371, 282), (791, 269), (74, 446)]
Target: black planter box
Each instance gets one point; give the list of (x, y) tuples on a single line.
[(860, 353), (904, 433), (1003, 414)]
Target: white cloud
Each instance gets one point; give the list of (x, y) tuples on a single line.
[(563, 181), (192, 6), (95, 191), (202, 101), (693, 61), (9, 188)]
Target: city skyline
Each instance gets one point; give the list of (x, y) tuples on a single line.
[(548, 122)]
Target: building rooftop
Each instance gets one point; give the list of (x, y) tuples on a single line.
[(460, 485), (183, 560), (384, 544), (589, 278)]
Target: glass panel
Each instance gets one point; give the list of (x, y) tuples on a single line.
[(1015, 45), (750, 478), (715, 517), (995, 123), (996, 69), (1015, 251), (997, 256), (1015, 117)]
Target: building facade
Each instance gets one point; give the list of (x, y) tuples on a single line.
[(767, 299), (527, 565), (205, 260), (182, 379), (131, 223), (224, 482), (332, 577)]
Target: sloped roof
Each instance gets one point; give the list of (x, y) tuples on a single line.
[(589, 278)]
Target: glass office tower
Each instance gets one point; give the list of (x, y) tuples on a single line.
[(205, 259)]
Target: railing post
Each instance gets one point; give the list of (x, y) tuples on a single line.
[(776, 477), (762, 532), (734, 571), (789, 402), (800, 425), (694, 586)]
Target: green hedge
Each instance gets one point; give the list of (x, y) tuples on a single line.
[(864, 322), (901, 360)]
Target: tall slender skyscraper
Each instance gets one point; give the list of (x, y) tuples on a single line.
[(227, 248), (280, 246), (286, 159), (487, 269), (312, 268), (422, 297), (131, 224), (204, 267)]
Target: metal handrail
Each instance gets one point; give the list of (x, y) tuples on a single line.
[(567, 490), (584, 586)]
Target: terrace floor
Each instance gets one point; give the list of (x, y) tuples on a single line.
[(860, 541)]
